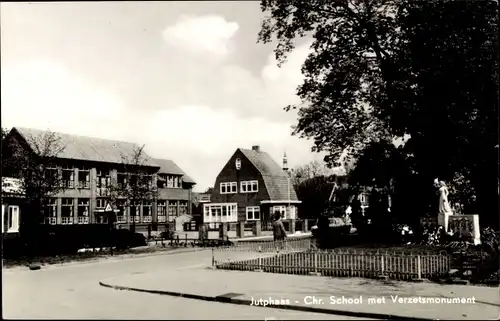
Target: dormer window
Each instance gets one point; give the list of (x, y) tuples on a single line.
[(169, 181)]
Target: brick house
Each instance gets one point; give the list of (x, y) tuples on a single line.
[(251, 187), (89, 166)]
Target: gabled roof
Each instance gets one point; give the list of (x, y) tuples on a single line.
[(88, 148), (168, 166), (275, 178)]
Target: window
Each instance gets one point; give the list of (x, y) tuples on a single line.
[(52, 175), (280, 209), (134, 208), (13, 219), (146, 212), (162, 210), (134, 212), (103, 178), (101, 203), (83, 210), (161, 181), (172, 211), (228, 188), (253, 213), (67, 211), (121, 180), (51, 211), (214, 213), (183, 206), (68, 177), (169, 181), (238, 163), (83, 178), (172, 208), (4, 218), (121, 216), (249, 186)]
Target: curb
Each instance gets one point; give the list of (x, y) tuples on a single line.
[(229, 300), (103, 258)]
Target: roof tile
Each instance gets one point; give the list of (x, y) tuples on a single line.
[(275, 178), (89, 148), (168, 166)]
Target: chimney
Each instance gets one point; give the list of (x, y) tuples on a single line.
[(256, 148)]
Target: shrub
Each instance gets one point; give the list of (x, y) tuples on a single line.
[(490, 241)]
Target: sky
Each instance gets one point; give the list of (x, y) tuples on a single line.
[(187, 79)]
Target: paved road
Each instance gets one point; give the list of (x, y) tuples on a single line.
[(73, 292)]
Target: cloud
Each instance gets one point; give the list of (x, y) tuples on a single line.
[(45, 94), (231, 87), (232, 108), (202, 139), (200, 35)]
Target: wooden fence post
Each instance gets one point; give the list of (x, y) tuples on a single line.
[(419, 268), (315, 262), (382, 264)]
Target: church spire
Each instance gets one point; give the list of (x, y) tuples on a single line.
[(285, 163)]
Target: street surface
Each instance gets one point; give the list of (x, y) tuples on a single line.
[(73, 292)]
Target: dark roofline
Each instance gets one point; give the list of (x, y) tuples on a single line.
[(177, 170), (27, 144), (74, 135)]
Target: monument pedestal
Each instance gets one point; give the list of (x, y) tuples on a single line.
[(443, 220), (468, 223)]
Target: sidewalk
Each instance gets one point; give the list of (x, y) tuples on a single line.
[(305, 292), (269, 237)]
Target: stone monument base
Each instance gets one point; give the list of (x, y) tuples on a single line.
[(468, 223), (443, 219)]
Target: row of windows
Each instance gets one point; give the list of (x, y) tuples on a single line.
[(228, 212), (169, 181), (245, 187), (83, 207), (103, 178)]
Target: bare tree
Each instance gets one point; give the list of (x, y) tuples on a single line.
[(313, 169), (33, 160), (135, 182)]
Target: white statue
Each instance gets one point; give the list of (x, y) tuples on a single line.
[(444, 205)]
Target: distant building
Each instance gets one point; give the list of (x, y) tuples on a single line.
[(250, 187), (89, 166)]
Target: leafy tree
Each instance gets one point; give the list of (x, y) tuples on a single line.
[(4, 133), (304, 172), (314, 194), (34, 161), (384, 69), (209, 190)]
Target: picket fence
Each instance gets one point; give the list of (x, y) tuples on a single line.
[(303, 258)]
